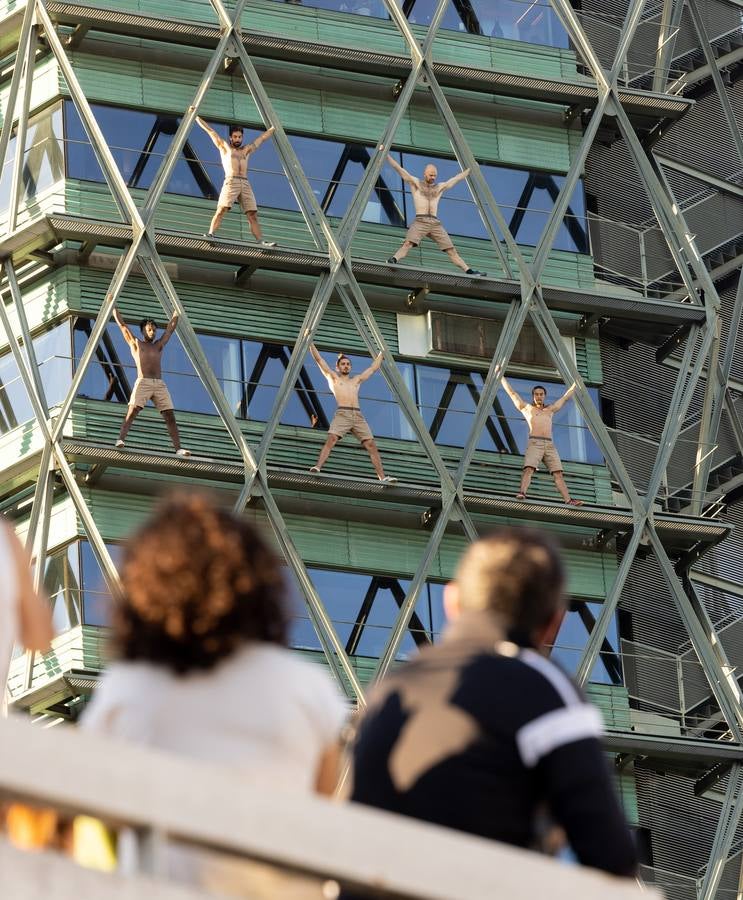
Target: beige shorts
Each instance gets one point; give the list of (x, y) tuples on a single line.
[(345, 420), (151, 389), (429, 226), (237, 189), (538, 449)]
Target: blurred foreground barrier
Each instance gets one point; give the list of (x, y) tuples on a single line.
[(165, 799)]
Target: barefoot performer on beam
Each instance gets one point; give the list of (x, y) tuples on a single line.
[(149, 385), (345, 389)]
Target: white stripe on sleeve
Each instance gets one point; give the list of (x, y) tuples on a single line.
[(555, 729)]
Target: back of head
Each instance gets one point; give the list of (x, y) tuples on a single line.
[(198, 583), (515, 573)]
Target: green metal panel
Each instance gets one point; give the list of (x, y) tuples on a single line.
[(297, 448), (564, 269), (494, 138), (336, 543)]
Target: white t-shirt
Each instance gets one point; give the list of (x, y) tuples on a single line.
[(8, 610), (263, 711)]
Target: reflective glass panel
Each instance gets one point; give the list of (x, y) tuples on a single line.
[(573, 636)]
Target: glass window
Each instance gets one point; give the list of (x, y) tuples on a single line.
[(264, 366), (448, 400), (62, 584), (364, 609), (43, 158), (573, 636), (516, 20), (525, 198), (334, 170), (52, 349), (96, 597)]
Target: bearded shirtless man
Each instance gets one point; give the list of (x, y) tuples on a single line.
[(236, 185), (540, 446), (345, 389), (149, 385), (426, 195)]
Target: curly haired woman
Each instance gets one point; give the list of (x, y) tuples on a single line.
[(203, 667)]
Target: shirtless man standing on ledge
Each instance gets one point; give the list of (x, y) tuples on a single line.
[(426, 195), (149, 385), (236, 185), (345, 389), (540, 446)]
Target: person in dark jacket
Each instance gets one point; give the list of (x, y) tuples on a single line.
[(482, 732)]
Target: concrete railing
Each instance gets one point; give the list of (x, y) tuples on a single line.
[(166, 798)]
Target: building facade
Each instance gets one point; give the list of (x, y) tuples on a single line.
[(604, 202)]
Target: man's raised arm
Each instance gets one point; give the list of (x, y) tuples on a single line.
[(517, 401), (403, 173), (169, 329), (128, 336), (268, 133), (559, 403), (367, 373), (217, 140), (445, 185), (324, 367)]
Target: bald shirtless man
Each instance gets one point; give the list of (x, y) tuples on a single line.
[(426, 195), (540, 446), (149, 385), (236, 185), (345, 389)]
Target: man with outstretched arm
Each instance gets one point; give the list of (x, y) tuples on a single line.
[(345, 389), (540, 447), (149, 385), (236, 185), (426, 195)]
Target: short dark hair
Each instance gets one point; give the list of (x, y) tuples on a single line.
[(342, 356), (234, 128), (539, 387), (517, 574), (145, 322), (197, 584)]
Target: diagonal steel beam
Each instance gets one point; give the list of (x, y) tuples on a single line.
[(719, 84), (333, 647), (712, 657), (15, 80), (16, 183), (669, 26), (577, 35), (727, 825)]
